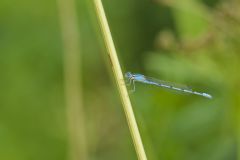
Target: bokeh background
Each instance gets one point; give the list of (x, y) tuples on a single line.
[(193, 42)]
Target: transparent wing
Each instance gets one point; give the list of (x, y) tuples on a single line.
[(167, 84)]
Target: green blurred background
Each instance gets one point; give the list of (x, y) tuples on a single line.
[(193, 42)]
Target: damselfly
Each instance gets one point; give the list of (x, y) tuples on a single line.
[(132, 78)]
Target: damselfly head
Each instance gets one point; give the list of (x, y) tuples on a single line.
[(128, 75)]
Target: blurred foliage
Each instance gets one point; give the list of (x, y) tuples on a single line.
[(189, 41)]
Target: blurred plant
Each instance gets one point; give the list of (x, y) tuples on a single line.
[(77, 140), (204, 53)]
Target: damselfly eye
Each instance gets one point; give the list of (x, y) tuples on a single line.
[(128, 75)]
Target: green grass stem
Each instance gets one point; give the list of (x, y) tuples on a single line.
[(120, 81), (72, 79)]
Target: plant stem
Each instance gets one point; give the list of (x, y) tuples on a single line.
[(120, 81), (72, 73)]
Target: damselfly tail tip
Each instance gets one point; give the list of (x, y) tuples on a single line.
[(207, 95)]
